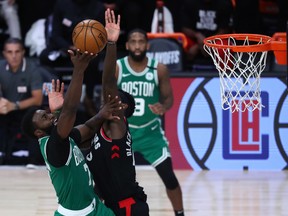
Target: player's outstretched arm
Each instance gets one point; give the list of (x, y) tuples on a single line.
[(72, 97), (109, 82)]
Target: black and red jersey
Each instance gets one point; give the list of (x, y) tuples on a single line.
[(111, 163)]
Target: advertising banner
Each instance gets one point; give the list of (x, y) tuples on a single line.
[(204, 136)]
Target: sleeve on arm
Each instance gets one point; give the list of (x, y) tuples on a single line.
[(57, 149), (75, 135)]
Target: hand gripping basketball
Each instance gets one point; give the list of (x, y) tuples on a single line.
[(89, 35)]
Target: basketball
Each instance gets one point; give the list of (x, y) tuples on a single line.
[(89, 35)]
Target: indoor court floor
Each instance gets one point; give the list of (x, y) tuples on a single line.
[(26, 192)]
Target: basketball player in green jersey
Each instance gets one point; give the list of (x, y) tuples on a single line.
[(58, 141), (149, 83)]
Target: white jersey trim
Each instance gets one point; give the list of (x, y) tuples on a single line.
[(120, 69), (45, 144), (70, 152), (81, 212), (133, 71), (45, 149), (155, 71), (165, 155), (145, 125), (45, 153)]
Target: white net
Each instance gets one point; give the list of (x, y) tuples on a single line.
[(239, 73)]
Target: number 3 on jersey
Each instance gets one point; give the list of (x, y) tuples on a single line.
[(139, 107)]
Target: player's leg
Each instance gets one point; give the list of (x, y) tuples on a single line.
[(159, 158), (171, 183), (154, 149)]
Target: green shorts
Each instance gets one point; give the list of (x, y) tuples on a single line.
[(151, 142), (102, 209)]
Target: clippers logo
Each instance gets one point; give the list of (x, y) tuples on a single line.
[(241, 133), (212, 138)]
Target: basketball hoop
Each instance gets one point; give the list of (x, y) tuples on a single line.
[(240, 59)]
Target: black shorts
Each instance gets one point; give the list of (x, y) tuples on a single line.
[(130, 207)]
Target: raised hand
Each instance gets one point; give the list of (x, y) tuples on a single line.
[(112, 26), (55, 95), (80, 60), (110, 107), (157, 108)]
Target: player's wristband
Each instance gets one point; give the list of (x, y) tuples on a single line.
[(111, 42), (17, 105)]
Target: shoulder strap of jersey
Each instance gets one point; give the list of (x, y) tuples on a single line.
[(152, 64)]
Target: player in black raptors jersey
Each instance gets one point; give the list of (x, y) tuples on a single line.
[(110, 158)]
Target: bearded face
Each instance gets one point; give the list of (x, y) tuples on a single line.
[(137, 46), (140, 56)]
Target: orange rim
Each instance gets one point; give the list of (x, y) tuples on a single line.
[(277, 43), (267, 43)]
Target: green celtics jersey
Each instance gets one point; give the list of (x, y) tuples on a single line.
[(72, 182), (143, 86), (145, 126)]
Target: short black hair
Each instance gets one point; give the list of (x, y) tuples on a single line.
[(27, 125), (138, 30), (12, 40), (129, 100)]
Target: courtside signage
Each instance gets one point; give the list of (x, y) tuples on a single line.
[(209, 137)]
